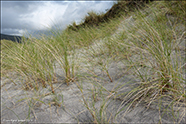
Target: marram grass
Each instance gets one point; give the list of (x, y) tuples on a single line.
[(151, 46)]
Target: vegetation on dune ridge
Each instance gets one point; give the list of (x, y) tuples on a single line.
[(118, 9), (150, 45)]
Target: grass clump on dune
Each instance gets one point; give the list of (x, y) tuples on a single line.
[(154, 46), (30, 61)]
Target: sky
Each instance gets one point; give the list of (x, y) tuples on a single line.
[(20, 17)]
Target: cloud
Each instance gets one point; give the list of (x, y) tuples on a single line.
[(43, 17), (18, 16), (11, 31)]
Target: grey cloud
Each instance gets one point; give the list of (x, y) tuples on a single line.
[(12, 31), (20, 6), (17, 16), (13, 11)]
